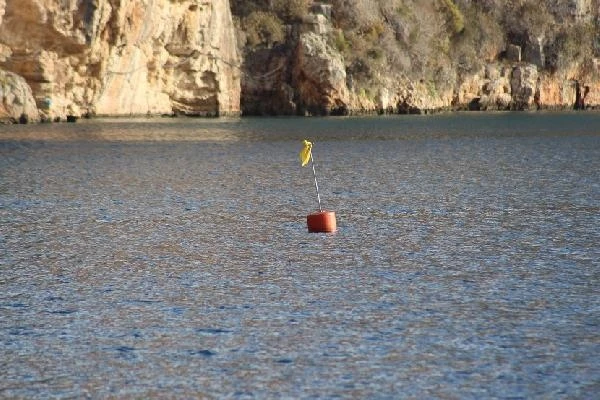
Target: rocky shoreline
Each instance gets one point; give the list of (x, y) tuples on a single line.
[(24, 118)]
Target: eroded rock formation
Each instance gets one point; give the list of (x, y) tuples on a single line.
[(123, 57), (319, 76), (18, 104)]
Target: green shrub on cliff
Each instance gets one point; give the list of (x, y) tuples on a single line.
[(339, 41), (291, 10), (263, 29), (243, 8), (457, 21)]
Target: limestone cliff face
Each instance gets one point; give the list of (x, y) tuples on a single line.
[(18, 103), (123, 57), (319, 77)]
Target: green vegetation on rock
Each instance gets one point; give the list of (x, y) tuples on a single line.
[(439, 43), (263, 28)]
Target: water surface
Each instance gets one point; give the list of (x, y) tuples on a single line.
[(170, 258)]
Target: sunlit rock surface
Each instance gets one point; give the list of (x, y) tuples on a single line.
[(127, 57)]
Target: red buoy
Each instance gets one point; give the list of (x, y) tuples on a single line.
[(321, 221)]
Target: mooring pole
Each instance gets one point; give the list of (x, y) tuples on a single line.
[(312, 162)]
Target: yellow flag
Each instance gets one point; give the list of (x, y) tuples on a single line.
[(305, 153)]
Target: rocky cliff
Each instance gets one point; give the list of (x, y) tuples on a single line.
[(409, 56), (117, 57), (62, 58)]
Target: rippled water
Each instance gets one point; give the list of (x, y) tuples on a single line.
[(170, 258)]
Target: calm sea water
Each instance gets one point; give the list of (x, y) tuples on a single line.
[(169, 258)]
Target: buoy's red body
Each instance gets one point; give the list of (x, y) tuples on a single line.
[(321, 221)]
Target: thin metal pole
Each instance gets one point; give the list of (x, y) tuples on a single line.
[(312, 162)]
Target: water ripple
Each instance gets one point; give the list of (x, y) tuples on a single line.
[(176, 263)]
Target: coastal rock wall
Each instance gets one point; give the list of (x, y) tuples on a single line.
[(522, 86), (350, 56), (304, 76), (62, 58), (18, 104), (319, 77), (266, 84), (123, 57)]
